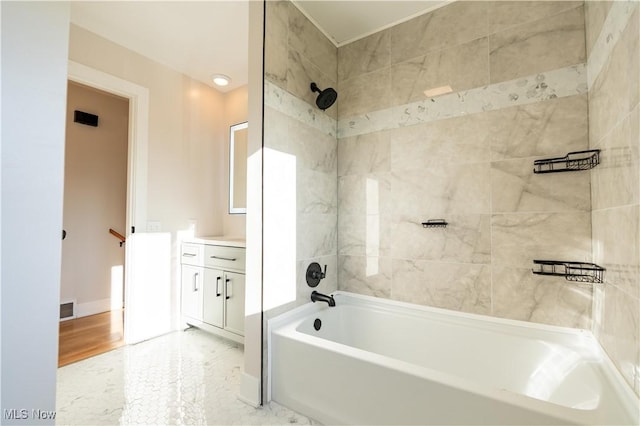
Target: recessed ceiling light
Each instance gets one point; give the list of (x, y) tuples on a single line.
[(221, 79), (437, 91)]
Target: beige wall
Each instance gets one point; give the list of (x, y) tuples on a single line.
[(186, 135), (186, 156), (95, 197), (468, 158), (613, 37), (236, 111)]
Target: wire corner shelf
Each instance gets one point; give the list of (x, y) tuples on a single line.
[(435, 223), (573, 161), (583, 272)]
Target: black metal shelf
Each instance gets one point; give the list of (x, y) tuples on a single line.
[(573, 161), (583, 272), (435, 223)]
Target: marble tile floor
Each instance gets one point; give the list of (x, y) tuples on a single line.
[(182, 378)]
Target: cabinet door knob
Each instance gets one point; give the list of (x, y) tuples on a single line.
[(228, 289), (195, 281)]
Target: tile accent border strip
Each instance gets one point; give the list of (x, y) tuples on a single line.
[(612, 29), (293, 107), (563, 82)]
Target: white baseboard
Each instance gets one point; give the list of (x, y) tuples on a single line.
[(92, 308), (250, 390)]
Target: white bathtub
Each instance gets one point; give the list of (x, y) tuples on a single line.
[(375, 361)]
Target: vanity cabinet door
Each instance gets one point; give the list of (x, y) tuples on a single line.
[(213, 302), (234, 297), (192, 278)]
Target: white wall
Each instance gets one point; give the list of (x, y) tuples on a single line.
[(95, 197), (34, 80), (236, 111)]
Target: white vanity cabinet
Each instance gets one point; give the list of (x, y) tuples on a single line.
[(213, 297), (213, 284), (234, 303), (192, 277)]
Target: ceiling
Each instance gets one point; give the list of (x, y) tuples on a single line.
[(346, 21), (198, 38), (201, 38)]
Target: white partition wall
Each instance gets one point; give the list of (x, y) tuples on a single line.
[(35, 38), (250, 390)]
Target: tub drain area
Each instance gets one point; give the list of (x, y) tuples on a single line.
[(317, 324)]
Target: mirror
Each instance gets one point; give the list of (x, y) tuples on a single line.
[(238, 138)]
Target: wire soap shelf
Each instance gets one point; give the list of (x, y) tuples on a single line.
[(578, 160), (435, 223), (583, 272)]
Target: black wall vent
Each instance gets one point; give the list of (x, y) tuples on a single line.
[(85, 118), (67, 310)]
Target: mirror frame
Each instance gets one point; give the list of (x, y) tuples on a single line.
[(232, 130)]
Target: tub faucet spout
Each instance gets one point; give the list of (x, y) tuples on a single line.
[(319, 297)]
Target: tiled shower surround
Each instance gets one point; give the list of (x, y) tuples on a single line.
[(523, 88), (613, 36), (474, 170)]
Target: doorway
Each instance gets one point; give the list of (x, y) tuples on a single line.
[(94, 221), (135, 329)]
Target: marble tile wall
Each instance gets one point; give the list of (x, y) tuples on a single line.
[(300, 141), (474, 169), (300, 162), (612, 33), (555, 41), (466, 45)]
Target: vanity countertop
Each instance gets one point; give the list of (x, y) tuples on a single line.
[(220, 241)]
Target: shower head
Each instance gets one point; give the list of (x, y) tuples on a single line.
[(326, 97)]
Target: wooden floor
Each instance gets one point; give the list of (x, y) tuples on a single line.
[(89, 336)]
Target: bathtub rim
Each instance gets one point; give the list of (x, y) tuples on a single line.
[(287, 323), (310, 307)]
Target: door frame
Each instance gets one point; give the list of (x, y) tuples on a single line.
[(138, 135)]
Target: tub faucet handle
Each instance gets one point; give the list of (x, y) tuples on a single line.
[(323, 274), (315, 274)]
